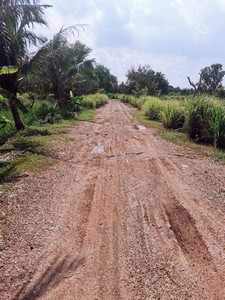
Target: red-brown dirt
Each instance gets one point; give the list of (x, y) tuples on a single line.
[(122, 215)]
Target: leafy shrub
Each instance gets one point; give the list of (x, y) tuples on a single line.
[(126, 98), (205, 121), (94, 100), (172, 115), (43, 111), (76, 102), (112, 96), (152, 108), (198, 116), (133, 101), (218, 126), (142, 100)]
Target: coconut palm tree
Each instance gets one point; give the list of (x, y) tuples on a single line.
[(59, 61), (17, 19)]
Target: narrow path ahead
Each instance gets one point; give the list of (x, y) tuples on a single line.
[(132, 219)]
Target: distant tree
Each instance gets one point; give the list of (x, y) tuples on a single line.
[(197, 87), (212, 77), (187, 92), (145, 78), (219, 92), (180, 91), (123, 88), (106, 80), (86, 83), (90, 81), (174, 90), (162, 84)]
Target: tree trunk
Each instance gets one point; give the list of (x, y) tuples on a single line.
[(16, 116), (198, 86), (9, 83), (193, 85)]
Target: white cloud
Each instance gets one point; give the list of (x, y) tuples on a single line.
[(176, 37)]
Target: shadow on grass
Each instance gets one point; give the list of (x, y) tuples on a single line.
[(24, 155), (55, 272), (6, 170)]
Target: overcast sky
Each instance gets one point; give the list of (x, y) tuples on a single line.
[(175, 37)]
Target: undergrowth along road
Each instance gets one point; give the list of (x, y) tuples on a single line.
[(122, 215)]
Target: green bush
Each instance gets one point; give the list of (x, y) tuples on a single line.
[(152, 108), (134, 101), (42, 111), (141, 101), (94, 100), (218, 126), (172, 115), (112, 95), (126, 98), (198, 116), (205, 121)]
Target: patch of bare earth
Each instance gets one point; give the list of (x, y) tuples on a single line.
[(122, 215)]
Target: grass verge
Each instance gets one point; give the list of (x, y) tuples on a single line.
[(29, 150), (180, 138)]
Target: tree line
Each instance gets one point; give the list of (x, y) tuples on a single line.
[(145, 81), (58, 66)]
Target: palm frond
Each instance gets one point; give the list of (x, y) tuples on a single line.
[(85, 65), (51, 46)]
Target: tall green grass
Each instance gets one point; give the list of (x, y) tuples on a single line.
[(45, 112), (205, 121), (94, 101), (172, 115), (202, 118), (218, 126), (198, 116), (152, 108)]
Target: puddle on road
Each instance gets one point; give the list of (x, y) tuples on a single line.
[(99, 149)]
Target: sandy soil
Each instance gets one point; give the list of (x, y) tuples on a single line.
[(122, 215)]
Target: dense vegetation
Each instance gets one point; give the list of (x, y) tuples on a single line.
[(52, 76), (42, 89), (60, 81), (201, 117)]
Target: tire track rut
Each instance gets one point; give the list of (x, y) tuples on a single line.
[(130, 226)]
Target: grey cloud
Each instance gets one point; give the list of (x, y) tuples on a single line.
[(151, 31)]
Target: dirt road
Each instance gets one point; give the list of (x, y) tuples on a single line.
[(123, 215)]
